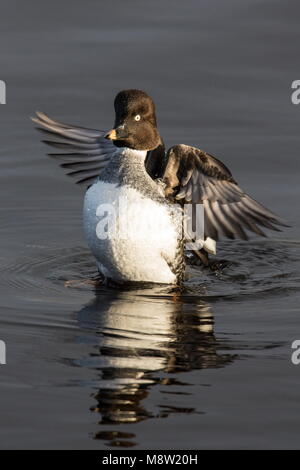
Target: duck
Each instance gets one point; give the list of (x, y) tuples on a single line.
[(147, 209)]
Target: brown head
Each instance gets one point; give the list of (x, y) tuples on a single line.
[(135, 123)]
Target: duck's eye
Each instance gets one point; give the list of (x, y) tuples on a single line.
[(137, 117)]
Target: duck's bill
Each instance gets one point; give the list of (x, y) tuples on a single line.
[(116, 134)]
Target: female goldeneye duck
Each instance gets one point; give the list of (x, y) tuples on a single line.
[(129, 172)]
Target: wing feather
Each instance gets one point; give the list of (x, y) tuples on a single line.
[(85, 150), (193, 176)]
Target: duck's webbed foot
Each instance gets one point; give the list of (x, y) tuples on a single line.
[(201, 258), (198, 258)]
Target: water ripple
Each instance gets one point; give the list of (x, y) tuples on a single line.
[(256, 268)]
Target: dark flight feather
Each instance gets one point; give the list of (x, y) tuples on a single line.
[(194, 176), (86, 150)]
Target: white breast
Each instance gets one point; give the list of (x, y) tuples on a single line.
[(132, 237)]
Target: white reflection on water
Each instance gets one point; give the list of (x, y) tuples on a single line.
[(141, 343)]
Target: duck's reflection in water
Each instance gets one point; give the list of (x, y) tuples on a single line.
[(142, 342)]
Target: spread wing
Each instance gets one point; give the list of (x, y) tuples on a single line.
[(84, 151), (194, 176)]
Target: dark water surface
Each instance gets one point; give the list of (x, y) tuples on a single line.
[(142, 367)]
